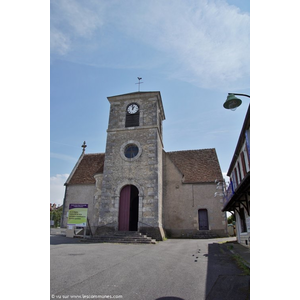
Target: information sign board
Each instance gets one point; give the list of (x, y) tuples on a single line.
[(78, 214)]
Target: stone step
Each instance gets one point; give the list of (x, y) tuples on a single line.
[(120, 241), (122, 236), (123, 233), (125, 237), (204, 236)]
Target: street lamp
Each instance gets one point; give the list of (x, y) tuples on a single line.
[(233, 102)]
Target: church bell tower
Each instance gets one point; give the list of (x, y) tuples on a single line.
[(131, 193)]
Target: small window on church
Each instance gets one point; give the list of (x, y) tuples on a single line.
[(203, 219), (132, 115), (131, 151)]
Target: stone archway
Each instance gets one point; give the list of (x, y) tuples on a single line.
[(128, 208)]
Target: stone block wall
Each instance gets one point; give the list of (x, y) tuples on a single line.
[(182, 201), (144, 171), (80, 194)]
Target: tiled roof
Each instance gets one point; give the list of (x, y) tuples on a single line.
[(89, 165), (197, 165)]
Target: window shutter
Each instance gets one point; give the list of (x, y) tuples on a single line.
[(132, 120)]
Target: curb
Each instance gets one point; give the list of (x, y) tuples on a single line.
[(244, 262)]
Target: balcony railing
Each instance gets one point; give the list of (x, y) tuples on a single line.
[(228, 194)]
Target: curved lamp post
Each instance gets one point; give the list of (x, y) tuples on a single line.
[(233, 102)]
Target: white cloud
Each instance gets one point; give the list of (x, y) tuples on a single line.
[(71, 20), (82, 19), (62, 156), (206, 43), (57, 188), (60, 42)]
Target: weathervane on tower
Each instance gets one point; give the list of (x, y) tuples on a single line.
[(139, 83)]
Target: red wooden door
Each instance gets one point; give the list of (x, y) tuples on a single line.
[(124, 208)]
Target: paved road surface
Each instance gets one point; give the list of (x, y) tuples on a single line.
[(186, 269)]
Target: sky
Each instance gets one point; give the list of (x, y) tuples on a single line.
[(193, 52)]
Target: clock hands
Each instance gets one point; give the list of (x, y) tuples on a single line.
[(132, 108)]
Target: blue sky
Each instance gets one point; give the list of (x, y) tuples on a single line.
[(193, 52)]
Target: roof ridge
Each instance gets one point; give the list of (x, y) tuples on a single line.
[(193, 150), (93, 153), (138, 92)]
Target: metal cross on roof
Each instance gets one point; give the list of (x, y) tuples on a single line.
[(83, 146)]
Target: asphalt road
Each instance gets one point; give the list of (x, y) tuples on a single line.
[(173, 269)]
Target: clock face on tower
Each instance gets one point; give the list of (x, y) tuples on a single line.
[(132, 108)]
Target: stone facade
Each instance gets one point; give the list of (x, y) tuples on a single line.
[(171, 186), (143, 171), (182, 202), (78, 194)]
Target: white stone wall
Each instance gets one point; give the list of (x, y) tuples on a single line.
[(243, 237), (80, 194), (182, 201)]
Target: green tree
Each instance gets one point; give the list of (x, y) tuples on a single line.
[(55, 215), (230, 219)]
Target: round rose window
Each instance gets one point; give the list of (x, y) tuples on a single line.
[(131, 151)]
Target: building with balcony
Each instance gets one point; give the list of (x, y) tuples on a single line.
[(237, 195)]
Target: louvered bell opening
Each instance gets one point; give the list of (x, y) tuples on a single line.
[(132, 120)]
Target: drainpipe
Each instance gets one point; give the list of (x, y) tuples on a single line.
[(64, 203)]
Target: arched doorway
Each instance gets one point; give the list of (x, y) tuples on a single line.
[(129, 208)]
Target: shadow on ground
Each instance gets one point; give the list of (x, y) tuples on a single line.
[(225, 279), (60, 239), (169, 298)]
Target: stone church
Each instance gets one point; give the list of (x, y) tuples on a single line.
[(137, 186)]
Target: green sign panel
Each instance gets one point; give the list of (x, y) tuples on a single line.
[(78, 215)]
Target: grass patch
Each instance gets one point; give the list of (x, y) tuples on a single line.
[(240, 262)]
